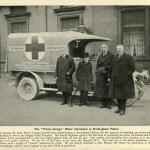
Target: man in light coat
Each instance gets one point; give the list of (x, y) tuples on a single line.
[(65, 67)]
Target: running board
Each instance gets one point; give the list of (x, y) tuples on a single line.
[(49, 89), (59, 93)]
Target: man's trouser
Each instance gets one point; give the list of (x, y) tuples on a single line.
[(67, 98), (106, 102), (83, 97), (121, 104)]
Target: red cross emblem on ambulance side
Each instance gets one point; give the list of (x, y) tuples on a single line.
[(35, 48)]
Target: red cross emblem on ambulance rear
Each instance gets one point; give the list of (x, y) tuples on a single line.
[(35, 48)]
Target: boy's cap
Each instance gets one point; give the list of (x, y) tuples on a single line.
[(86, 55)]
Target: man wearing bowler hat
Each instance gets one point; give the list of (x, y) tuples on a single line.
[(84, 77)]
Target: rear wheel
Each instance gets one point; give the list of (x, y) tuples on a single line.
[(138, 94), (131, 101), (28, 88)]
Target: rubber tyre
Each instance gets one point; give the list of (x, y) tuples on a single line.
[(28, 88), (130, 101)]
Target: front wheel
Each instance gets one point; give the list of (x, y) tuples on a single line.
[(28, 88)]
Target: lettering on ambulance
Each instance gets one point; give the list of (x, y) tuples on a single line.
[(55, 47), (16, 48), (35, 45)]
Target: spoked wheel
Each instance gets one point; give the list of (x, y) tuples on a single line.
[(28, 88), (131, 101), (138, 94)]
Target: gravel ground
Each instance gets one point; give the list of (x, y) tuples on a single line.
[(47, 111)]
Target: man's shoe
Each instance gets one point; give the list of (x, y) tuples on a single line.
[(102, 106), (87, 104), (63, 103), (117, 111), (109, 107), (80, 104), (122, 112), (70, 104)]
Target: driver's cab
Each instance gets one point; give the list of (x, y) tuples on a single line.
[(86, 43)]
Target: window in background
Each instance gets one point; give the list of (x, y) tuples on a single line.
[(133, 30), (69, 17), (17, 9), (18, 27), (69, 23), (18, 19)]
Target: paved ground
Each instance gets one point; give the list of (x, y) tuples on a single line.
[(47, 111)]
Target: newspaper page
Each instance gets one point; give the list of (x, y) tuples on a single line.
[(34, 115)]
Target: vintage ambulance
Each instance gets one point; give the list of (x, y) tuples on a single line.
[(32, 58)]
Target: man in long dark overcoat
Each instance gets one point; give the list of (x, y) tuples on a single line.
[(102, 68), (121, 79), (65, 67), (84, 77)]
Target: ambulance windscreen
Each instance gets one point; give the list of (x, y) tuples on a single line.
[(77, 48)]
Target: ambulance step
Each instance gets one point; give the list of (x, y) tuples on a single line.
[(59, 93), (49, 89), (77, 93)]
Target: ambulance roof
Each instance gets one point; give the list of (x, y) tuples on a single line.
[(60, 37)]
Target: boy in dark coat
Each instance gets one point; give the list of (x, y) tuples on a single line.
[(102, 68), (121, 79), (84, 77), (65, 67)]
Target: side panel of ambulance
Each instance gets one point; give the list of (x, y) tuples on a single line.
[(32, 60)]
